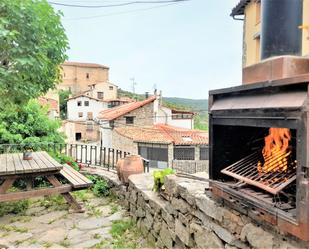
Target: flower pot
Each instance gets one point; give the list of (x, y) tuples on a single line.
[(27, 155), (130, 165)]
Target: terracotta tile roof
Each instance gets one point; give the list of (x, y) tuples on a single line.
[(166, 134), (82, 64), (52, 103), (82, 95), (116, 112)]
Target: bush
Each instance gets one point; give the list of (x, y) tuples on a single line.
[(64, 159), (100, 186), (16, 207), (159, 176)]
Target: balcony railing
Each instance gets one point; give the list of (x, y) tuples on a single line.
[(88, 155)]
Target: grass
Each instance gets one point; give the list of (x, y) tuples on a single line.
[(65, 243), (47, 244), (8, 228), (114, 208), (54, 202), (23, 219)]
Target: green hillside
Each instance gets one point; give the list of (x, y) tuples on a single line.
[(199, 106)]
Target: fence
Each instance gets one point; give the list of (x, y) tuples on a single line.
[(90, 155)]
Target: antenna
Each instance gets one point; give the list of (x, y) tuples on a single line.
[(133, 84)]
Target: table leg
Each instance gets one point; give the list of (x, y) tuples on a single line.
[(67, 196), (6, 184)]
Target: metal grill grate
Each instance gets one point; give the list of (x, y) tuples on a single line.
[(246, 170)]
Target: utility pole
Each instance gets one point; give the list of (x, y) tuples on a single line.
[(133, 84)]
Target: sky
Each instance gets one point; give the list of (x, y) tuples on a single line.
[(183, 49)]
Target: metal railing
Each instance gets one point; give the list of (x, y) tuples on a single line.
[(89, 155)]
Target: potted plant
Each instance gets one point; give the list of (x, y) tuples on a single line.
[(27, 154)]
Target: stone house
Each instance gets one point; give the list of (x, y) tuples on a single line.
[(165, 146), (140, 113), (102, 91), (77, 76)]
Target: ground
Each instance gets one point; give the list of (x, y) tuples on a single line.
[(49, 223)]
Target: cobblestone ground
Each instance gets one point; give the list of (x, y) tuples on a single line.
[(49, 223)]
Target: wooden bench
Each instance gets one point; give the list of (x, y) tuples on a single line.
[(77, 180), (13, 167)]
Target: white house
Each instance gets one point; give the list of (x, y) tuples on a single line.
[(83, 108), (177, 118)]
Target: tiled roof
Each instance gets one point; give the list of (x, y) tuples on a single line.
[(82, 95), (240, 8), (165, 134), (53, 104), (82, 64), (116, 112)]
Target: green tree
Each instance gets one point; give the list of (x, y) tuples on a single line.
[(32, 46), (30, 125), (63, 96)]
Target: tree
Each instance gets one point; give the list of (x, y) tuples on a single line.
[(63, 96), (32, 47), (30, 125)]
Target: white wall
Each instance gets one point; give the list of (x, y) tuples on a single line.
[(73, 109), (106, 135), (164, 116)]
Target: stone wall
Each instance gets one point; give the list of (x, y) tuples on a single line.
[(186, 217), (190, 166)]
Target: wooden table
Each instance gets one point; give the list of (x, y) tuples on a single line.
[(13, 167)]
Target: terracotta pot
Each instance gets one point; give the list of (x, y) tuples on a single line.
[(119, 167), (131, 165), (27, 155)]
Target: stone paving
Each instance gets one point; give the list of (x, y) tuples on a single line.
[(58, 227)]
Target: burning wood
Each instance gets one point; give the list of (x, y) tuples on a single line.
[(276, 152)]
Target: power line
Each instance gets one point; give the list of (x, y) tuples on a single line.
[(117, 4), (118, 13)]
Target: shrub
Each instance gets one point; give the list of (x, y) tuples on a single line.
[(100, 186), (17, 207), (64, 159), (159, 176)]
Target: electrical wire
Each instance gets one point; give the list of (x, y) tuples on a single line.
[(117, 4), (118, 13)]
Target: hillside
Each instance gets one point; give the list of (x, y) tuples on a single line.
[(200, 106)]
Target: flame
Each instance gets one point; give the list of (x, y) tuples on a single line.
[(276, 151)]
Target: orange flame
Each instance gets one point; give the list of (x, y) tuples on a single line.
[(276, 151)]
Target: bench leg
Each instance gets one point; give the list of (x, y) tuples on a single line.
[(67, 196), (6, 184)]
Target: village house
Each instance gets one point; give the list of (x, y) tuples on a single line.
[(155, 132), (77, 77), (52, 105)]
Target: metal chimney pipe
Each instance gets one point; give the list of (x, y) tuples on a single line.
[(280, 34)]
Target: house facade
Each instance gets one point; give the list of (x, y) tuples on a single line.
[(251, 11), (165, 146), (77, 77), (102, 91), (183, 119)]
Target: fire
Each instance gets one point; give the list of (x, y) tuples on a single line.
[(276, 151)]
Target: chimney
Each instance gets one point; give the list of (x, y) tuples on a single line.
[(280, 33), (281, 43)]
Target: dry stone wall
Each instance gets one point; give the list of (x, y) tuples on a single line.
[(188, 218)]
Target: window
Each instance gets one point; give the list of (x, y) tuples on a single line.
[(78, 136), (112, 124), (204, 153), (184, 153), (111, 88), (86, 103), (100, 95), (89, 115), (80, 114), (129, 120), (79, 103), (89, 126), (87, 75), (257, 48)]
